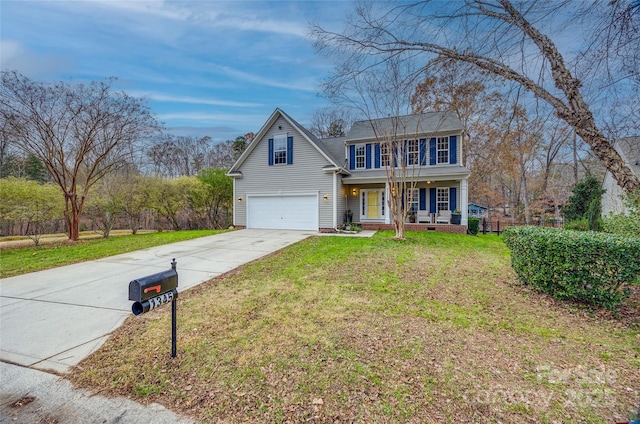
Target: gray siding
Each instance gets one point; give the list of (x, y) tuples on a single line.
[(305, 175)]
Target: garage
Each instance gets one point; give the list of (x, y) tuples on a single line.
[(294, 212)]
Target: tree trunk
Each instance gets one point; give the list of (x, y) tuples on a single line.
[(527, 213), (72, 213), (575, 159)]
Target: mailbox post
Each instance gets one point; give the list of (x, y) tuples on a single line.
[(152, 291)]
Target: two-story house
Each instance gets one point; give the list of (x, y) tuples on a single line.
[(289, 179)]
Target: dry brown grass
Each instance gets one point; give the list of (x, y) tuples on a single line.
[(434, 329)]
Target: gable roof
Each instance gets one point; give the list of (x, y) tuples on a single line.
[(335, 147), (305, 133), (426, 123), (476, 207)]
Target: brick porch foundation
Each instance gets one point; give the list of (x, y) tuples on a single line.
[(445, 228)]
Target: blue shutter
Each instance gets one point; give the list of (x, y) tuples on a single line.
[(395, 155), (432, 200), (452, 199), (352, 156), (453, 150), (270, 151), (423, 199), (432, 151), (289, 150), (376, 156), (423, 151), (367, 156)]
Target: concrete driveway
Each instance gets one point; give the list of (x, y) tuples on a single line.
[(53, 319)]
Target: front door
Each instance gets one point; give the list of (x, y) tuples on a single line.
[(372, 207)]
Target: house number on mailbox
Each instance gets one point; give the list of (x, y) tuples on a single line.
[(153, 291)]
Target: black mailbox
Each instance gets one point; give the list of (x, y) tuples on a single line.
[(145, 288), (153, 291)]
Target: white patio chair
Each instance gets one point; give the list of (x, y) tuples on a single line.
[(424, 217), (443, 217)]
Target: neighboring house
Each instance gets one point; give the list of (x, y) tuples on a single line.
[(613, 197), (289, 179), (477, 211)]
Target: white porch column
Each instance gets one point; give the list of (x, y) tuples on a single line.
[(335, 199), (464, 201), (387, 209)]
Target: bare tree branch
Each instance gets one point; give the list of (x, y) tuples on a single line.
[(499, 37)]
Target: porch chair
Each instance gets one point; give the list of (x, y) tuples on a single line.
[(443, 217), (424, 217)]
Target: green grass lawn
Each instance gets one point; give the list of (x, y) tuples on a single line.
[(36, 258), (332, 329)]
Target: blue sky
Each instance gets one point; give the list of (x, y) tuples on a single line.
[(206, 67)]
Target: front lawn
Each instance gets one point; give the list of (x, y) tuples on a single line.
[(332, 329), (21, 260)]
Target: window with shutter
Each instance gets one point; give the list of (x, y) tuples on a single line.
[(280, 150), (360, 156), (384, 155), (442, 199), (413, 152), (442, 153)]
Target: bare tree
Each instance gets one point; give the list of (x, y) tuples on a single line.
[(80, 132), (223, 155), (175, 156), (501, 38), (331, 121), (459, 88)]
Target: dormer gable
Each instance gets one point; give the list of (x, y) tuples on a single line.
[(281, 134)]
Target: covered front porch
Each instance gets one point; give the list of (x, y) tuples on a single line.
[(432, 205)]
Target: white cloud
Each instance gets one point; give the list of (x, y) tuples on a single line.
[(15, 56), (214, 118), (161, 97), (214, 15), (145, 7), (304, 84), (254, 23), (10, 49)]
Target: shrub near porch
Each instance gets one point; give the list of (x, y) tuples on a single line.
[(431, 329)]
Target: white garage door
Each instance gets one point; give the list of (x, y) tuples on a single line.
[(298, 212)]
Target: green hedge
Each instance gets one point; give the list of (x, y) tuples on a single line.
[(473, 224), (588, 267)]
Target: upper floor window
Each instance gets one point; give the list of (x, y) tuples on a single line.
[(360, 156), (442, 152), (384, 155), (280, 150), (413, 152)]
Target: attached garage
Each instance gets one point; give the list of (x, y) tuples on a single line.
[(283, 212)]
